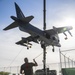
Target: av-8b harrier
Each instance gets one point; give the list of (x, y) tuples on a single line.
[(46, 38)]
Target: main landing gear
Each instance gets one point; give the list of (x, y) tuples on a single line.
[(53, 49)]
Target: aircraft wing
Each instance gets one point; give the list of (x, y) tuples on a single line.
[(59, 30), (25, 41)]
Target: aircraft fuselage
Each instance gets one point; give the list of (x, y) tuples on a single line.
[(33, 31)]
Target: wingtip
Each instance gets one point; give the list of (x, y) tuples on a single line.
[(71, 27), (4, 29)]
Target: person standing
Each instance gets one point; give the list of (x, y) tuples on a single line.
[(27, 67)]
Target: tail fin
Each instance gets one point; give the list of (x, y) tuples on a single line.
[(19, 13), (20, 16)]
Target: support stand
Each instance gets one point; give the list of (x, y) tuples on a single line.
[(44, 47), (44, 60)]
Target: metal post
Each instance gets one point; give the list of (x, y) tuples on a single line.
[(44, 60), (44, 48), (44, 14), (10, 69), (60, 61), (65, 60), (68, 62), (72, 63)]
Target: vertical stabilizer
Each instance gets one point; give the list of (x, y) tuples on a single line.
[(19, 13)]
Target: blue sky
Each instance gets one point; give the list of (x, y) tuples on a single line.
[(59, 13)]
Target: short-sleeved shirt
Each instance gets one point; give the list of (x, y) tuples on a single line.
[(28, 68)]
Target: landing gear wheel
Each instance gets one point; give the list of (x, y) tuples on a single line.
[(30, 46), (66, 38), (53, 49), (42, 46), (27, 47)]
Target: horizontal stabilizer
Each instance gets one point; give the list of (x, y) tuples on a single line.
[(13, 25), (27, 19)]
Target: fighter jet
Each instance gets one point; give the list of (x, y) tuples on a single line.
[(45, 38)]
